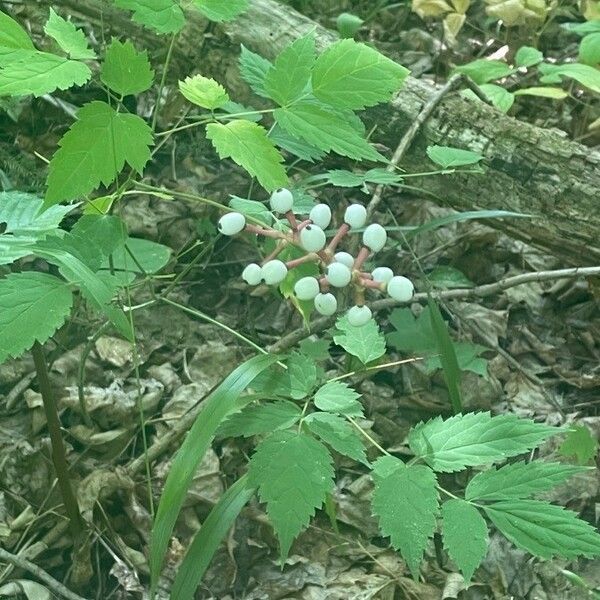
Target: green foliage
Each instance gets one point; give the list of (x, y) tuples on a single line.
[(34, 306), (353, 76), (518, 480), (22, 216), (337, 397), (475, 439), (216, 407), (13, 36), (465, 535), (70, 39), (501, 98), (125, 70), (288, 77), (252, 208), (581, 444), (162, 16), (366, 342), (293, 473), (348, 24), (254, 69), (527, 56), (248, 144), (344, 178), (448, 158), (95, 150), (221, 10), (584, 74), (133, 256), (339, 434), (406, 503), (484, 70), (204, 92), (302, 372), (543, 529), (260, 418), (589, 49)]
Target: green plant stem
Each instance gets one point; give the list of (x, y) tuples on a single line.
[(368, 436), (59, 455), (162, 80)]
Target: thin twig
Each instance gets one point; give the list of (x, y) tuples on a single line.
[(481, 291), (56, 586)]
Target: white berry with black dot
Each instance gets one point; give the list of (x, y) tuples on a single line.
[(320, 215), (359, 316), (231, 223), (355, 216), (312, 238), (306, 288), (281, 200), (338, 275)]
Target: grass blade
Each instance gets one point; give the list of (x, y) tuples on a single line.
[(217, 406), (452, 374), (208, 539)]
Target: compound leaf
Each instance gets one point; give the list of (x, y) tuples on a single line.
[(254, 69), (247, 144), (339, 434), (352, 75), (366, 342), (34, 306), (465, 535), (290, 73), (338, 397), (293, 473), (518, 480), (543, 529), (221, 10), (406, 502), (95, 150), (20, 212), (125, 70), (163, 16), (303, 375), (260, 418), (204, 92), (326, 129), (475, 439), (70, 39), (39, 73)]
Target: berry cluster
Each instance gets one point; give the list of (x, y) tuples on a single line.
[(339, 269)]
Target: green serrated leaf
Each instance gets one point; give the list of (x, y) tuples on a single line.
[(339, 434), (252, 208), (385, 465), (527, 56), (344, 178), (475, 439), (21, 214), (221, 10), (448, 157), (70, 39), (366, 342), (290, 74), (406, 503), (340, 398), (501, 98), (465, 535), (293, 473), (260, 418), (317, 349), (449, 278), (295, 146), (325, 129), (39, 73), (162, 16), (581, 444), (95, 150), (248, 144), (484, 70), (125, 70), (104, 233), (467, 355), (137, 256), (34, 306), (352, 75), (518, 480), (303, 375), (254, 69), (204, 92), (543, 529), (12, 35)]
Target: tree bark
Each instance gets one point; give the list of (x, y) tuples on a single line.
[(528, 169)]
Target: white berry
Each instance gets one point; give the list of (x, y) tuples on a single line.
[(359, 315), (325, 304), (282, 200), (345, 258), (306, 288), (382, 274), (320, 215), (355, 215), (252, 274), (273, 272), (400, 288), (338, 275), (231, 223), (312, 238), (374, 237)]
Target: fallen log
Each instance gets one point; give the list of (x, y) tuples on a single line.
[(528, 169)]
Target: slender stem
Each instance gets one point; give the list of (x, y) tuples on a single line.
[(291, 217), (162, 80), (337, 238), (311, 257), (368, 436), (369, 283), (264, 232), (59, 455), (362, 256), (278, 250)]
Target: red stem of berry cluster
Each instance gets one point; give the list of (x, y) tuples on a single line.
[(323, 284), (291, 217), (369, 283), (272, 233), (310, 257), (362, 255), (337, 238)]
